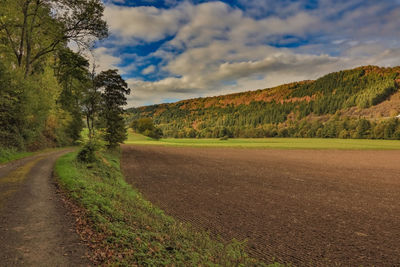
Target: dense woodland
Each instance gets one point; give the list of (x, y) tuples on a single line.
[(305, 109), (48, 92)]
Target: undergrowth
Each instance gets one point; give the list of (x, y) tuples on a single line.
[(7, 155), (135, 231)]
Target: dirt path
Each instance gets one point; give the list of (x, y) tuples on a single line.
[(316, 208), (35, 229)]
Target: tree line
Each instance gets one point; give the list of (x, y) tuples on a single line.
[(48, 92), (300, 110)]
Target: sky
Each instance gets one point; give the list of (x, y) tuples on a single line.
[(169, 50)]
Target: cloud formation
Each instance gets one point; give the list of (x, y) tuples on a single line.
[(188, 50)]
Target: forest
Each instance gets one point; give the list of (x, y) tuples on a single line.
[(48, 90), (319, 108)]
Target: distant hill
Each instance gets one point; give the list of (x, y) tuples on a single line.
[(357, 103)]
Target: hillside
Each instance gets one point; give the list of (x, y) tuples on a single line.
[(357, 103)]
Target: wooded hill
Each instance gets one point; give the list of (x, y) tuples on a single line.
[(357, 103)]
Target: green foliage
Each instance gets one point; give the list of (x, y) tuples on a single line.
[(285, 111), (113, 98), (29, 115), (91, 105), (35, 29), (9, 154), (146, 127), (142, 125), (72, 74), (135, 231), (42, 82), (87, 154), (11, 118), (91, 146)]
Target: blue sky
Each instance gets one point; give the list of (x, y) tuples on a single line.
[(170, 50)]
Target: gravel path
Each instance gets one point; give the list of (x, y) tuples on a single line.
[(35, 228)]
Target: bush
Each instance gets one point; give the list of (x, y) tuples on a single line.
[(87, 154), (156, 133)]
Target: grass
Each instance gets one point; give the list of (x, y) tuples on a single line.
[(137, 232), (271, 143), (7, 155)]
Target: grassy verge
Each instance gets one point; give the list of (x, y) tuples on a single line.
[(136, 232), (270, 143), (7, 155)]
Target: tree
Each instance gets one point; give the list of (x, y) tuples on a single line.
[(363, 128), (91, 104), (11, 119), (35, 28), (146, 127), (113, 98), (73, 75), (44, 86)]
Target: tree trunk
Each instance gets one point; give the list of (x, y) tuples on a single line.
[(29, 34), (23, 32)]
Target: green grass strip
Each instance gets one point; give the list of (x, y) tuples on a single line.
[(7, 155), (140, 233), (270, 143)]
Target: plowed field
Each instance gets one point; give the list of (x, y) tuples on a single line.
[(306, 207)]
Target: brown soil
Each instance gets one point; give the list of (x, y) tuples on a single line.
[(317, 208), (35, 228)]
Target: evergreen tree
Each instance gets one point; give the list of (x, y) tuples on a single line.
[(113, 97)]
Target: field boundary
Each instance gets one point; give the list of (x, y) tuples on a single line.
[(130, 230)]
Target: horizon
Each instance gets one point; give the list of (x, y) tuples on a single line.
[(171, 50)]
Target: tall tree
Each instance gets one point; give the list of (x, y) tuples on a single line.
[(91, 104), (73, 75), (114, 94), (35, 28)]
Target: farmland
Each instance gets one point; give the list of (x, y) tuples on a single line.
[(301, 206)]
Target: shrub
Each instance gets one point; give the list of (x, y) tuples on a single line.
[(87, 154)]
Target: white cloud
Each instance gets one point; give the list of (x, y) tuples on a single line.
[(281, 68), (144, 23), (219, 49), (148, 70), (104, 60)]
